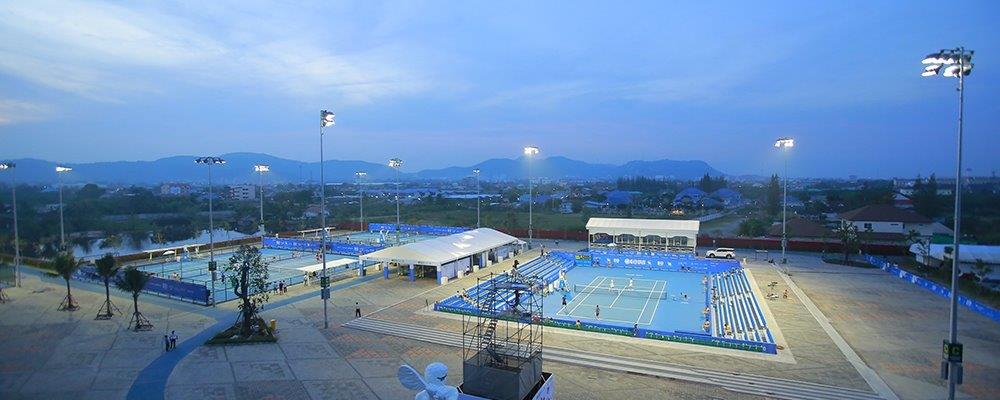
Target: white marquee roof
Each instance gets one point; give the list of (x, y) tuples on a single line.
[(330, 264), (968, 253), (607, 225), (444, 249)]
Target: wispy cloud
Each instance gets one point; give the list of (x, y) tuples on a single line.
[(15, 111), (107, 51)]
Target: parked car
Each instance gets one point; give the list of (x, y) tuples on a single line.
[(721, 252)]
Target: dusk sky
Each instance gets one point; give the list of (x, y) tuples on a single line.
[(453, 83)]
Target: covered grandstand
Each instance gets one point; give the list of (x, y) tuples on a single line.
[(643, 234), (447, 257)]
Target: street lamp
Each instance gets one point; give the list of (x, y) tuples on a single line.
[(17, 242), (260, 169), (478, 200), (360, 175), (395, 164), (210, 161), (62, 226), (530, 151), (956, 63), (784, 143), (325, 120)]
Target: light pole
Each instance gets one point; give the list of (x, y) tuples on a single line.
[(360, 175), (62, 226), (17, 241), (530, 151), (325, 120), (784, 143), (477, 171), (957, 63), (260, 169), (210, 161), (395, 164)]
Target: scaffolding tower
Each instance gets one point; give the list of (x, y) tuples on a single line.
[(502, 340)]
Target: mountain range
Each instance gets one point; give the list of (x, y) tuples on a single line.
[(239, 169)]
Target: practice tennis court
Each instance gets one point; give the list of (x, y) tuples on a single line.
[(660, 300), (284, 265), (381, 238)]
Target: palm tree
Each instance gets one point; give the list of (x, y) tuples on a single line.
[(65, 265), (107, 268), (134, 281)]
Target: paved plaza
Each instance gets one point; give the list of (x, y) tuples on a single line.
[(891, 332)]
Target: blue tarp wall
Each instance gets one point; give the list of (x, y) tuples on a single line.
[(656, 260), (312, 246), (165, 287)]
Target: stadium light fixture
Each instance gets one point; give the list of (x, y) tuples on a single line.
[(210, 161), (326, 118), (10, 166), (530, 152), (361, 175), (260, 169), (60, 170), (958, 62), (477, 171), (396, 164), (784, 143)]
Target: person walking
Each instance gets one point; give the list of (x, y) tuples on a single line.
[(166, 343), (597, 312), (173, 340), (357, 310)]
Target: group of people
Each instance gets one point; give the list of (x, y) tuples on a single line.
[(170, 341), (280, 287)]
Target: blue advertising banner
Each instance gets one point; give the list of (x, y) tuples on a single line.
[(583, 259), (167, 287), (941, 290), (292, 244), (351, 249), (420, 229), (660, 261)]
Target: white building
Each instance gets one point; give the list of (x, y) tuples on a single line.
[(243, 192), (884, 218), (643, 234)]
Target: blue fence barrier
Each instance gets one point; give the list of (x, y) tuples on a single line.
[(192, 292), (351, 249), (943, 291), (420, 229)]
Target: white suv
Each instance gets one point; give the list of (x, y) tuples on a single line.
[(721, 252)]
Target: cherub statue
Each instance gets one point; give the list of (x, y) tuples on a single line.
[(431, 386)]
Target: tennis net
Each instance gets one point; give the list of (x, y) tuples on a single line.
[(624, 292)]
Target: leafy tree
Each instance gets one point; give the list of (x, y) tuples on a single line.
[(752, 227), (112, 241), (248, 275), (65, 265), (773, 199), (848, 235), (107, 268), (925, 198), (133, 281), (982, 269)]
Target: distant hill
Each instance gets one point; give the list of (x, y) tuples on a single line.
[(239, 168)]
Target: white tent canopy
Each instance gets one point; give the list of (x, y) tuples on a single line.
[(442, 250), (329, 265), (968, 253)]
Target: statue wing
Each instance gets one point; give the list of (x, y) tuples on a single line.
[(410, 378)]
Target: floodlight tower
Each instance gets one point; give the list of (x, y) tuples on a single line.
[(784, 144), (62, 226), (530, 152), (260, 169), (957, 63), (210, 161), (360, 175), (395, 164), (17, 242), (478, 200), (325, 120)]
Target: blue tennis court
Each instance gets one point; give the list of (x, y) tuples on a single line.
[(384, 238), (651, 299)]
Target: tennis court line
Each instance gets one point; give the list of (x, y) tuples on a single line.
[(583, 300)]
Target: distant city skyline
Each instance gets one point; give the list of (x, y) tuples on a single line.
[(442, 85)]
